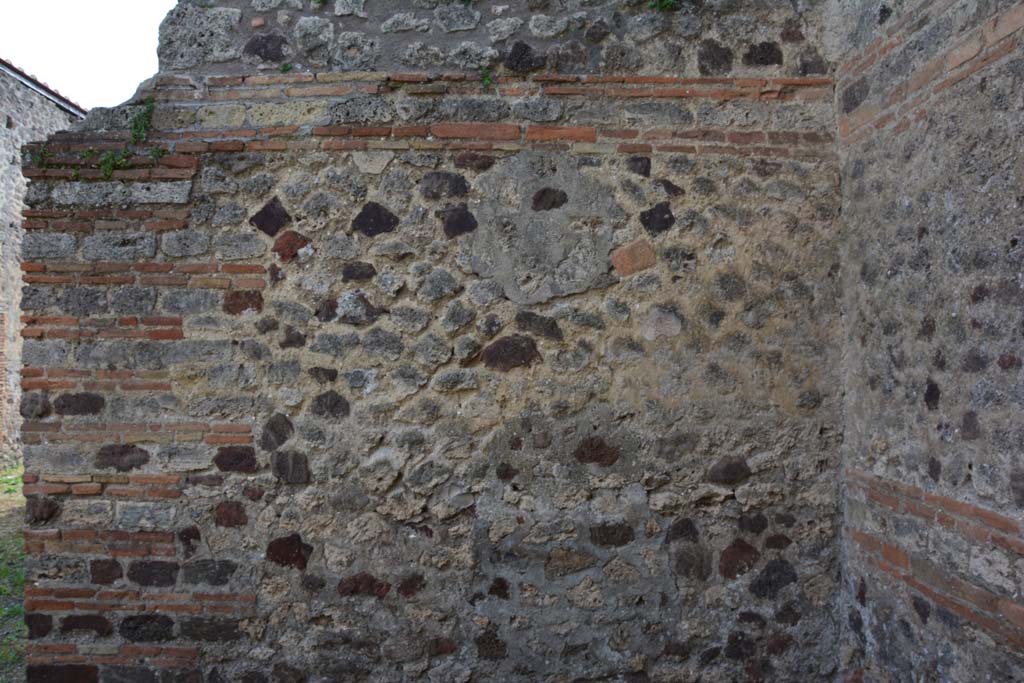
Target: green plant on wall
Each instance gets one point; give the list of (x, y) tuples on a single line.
[(663, 5), (41, 158), (140, 125), (142, 122), (111, 161)]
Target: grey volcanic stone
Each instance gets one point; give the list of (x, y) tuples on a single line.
[(191, 35), (119, 246), (538, 255)]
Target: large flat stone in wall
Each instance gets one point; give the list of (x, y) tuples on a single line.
[(110, 193), (545, 227)]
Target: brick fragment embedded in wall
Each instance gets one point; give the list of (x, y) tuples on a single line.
[(506, 319)]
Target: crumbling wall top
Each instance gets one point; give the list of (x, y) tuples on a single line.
[(691, 37)]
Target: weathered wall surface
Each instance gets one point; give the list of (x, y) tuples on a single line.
[(491, 342), (25, 116), (404, 370), (931, 109)]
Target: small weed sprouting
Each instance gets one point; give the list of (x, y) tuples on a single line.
[(112, 161), (486, 78), (286, 67), (142, 122), (41, 159), (663, 5), (157, 153)]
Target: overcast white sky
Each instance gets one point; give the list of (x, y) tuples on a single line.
[(94, 52)]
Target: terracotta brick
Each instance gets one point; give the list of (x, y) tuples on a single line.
[(633, 257), (575, 134), (1007, 23), (481, 131), (895, 556)]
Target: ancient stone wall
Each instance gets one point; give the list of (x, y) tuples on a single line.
[(443, 341), (25, 116), (931, 108)]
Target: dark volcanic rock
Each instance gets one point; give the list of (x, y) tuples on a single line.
[(291, 467), (775, 576), (105, 572), (763, 54), (330, 404), (153, 573), (458, 220), (522, 58), (236, 459), (357, 271), (729, 472), (612, 534), (438, 184), (548, 198), (932, 394), (323, 375), (211, 629), (694, 562), (411, 585), (276, 432), (271, 218), (490, 646), (714, 59), (739, 558), (658, 219), (639, 165), (514, 351), (289, 551), (209, 572), (540, 325), (39, 510), (363, 583), (230, 514), (682, 530), (146, 628), (39, 625), (374, 220), (79, 404), (594, 450), (854, 95), (35, 406), (268, 47), (474, 161), (121, 457)]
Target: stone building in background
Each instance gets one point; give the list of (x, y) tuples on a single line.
[(29, 111), (559, 341)]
